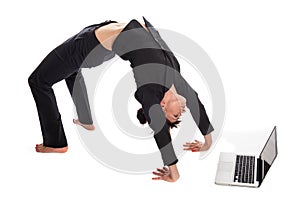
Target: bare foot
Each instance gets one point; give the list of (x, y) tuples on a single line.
[(89, 127), (40, 148)]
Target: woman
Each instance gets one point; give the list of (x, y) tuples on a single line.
[(161, 90)]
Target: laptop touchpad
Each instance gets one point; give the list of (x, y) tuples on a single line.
[(226, 166)]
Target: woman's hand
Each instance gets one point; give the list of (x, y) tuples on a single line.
[(197, 146), (166, 174)]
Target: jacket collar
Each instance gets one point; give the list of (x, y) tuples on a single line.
[(156, 35)]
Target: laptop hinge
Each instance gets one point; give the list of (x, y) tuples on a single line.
[(259, 171)]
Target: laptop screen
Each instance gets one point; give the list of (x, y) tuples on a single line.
[(269, 153)]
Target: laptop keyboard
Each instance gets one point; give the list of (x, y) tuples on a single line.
[(244, 169)]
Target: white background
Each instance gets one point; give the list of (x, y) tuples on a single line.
[(255, 46)]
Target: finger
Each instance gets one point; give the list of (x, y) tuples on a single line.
[(197, 141), (161, 171), (165, 168), (156, 178), (189, 146), (187, 149), (194, 145), (195, 149), (191, 143), (157, 174), (166, 171), (200, 143)]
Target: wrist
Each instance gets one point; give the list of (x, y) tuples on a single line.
[(174, 174), (208, 139)]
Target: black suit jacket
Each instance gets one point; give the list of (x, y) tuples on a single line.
[(155, 70)]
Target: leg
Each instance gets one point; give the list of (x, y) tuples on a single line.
[(77, 88), (50, 71)]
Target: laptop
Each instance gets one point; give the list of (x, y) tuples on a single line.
[(247, 170)]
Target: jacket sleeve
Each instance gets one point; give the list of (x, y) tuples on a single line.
[(183, 88), (157, 122), (195, 106)]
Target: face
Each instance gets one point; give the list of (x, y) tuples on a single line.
[(174, 108)]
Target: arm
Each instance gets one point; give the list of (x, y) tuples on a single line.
[(197, 109), (157, 122), (183, 88), (207, 144), (164, 143), (156, 119), (198, 113)]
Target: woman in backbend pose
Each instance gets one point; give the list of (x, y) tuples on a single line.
[(161, 90)]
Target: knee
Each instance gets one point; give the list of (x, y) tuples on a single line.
[(34, 80), (31, 80)]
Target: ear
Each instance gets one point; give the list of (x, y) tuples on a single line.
[(163, 103)]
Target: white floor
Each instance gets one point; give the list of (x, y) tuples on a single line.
[(254, 45)]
